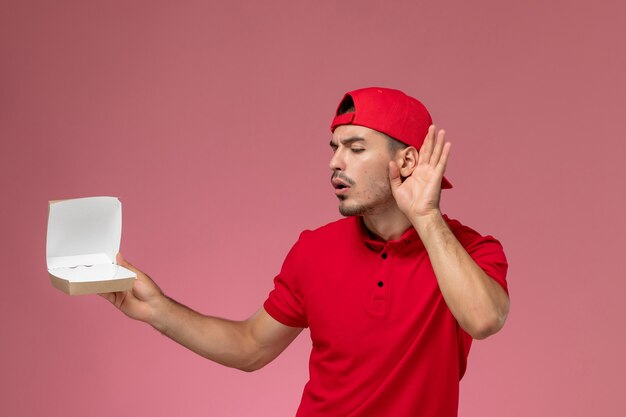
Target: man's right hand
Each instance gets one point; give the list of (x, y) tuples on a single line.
[(247, 345), (142, 301)]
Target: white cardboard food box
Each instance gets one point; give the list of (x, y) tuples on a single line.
[(83, 238)]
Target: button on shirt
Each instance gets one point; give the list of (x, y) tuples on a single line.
[(384, 340)]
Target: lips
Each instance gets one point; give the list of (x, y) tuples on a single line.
[(341, 187), (339, 184)]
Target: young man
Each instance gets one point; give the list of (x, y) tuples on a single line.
[(393, 294)]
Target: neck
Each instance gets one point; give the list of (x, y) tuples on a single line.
[(387, 226)]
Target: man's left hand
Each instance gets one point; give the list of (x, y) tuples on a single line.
[(418, 195)]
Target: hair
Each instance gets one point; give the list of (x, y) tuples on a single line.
[(347, 106)]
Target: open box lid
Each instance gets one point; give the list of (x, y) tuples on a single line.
[(83, 238)]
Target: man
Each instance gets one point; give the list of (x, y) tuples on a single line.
[(393, 294)]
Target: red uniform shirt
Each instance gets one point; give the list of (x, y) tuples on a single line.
[(384, 340)]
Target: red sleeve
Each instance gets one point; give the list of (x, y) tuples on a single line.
[(486, 251), (285, 301)]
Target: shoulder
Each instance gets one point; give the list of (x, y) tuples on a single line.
[(486, 251), (336, 230), (315, 246)]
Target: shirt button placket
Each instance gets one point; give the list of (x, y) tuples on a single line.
[(384, 256), (379, 292)]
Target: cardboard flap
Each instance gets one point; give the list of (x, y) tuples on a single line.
[(83, 227)]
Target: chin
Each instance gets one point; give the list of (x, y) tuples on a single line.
[(354, 210)]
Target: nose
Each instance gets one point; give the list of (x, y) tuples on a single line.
[(336, 162)]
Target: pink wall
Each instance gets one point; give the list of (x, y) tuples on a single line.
[(210, 121)]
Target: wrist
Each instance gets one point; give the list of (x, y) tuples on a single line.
[(161, 310), (425, 221)]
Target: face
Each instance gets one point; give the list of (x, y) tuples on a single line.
[(360, 166)]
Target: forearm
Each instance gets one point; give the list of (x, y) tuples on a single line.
[(227, 342), (479, 303)]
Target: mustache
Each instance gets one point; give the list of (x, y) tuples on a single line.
[(342, 177)]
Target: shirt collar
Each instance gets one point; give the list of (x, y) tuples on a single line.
[(408, 238)]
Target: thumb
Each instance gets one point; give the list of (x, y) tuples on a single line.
[(394, 175), (123, 262)]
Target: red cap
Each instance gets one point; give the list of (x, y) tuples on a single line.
[(388, 111)]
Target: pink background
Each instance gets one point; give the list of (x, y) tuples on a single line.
[(210, 121)]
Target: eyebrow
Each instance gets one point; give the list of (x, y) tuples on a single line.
[(348, 141)]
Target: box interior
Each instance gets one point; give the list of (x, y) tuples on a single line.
[(83, 238)]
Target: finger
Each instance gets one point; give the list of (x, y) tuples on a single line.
[(443, 161), (109, 296), (427, 147), (115, 298), (434, 160)]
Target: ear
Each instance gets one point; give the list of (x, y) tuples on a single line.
[(406, 159)]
